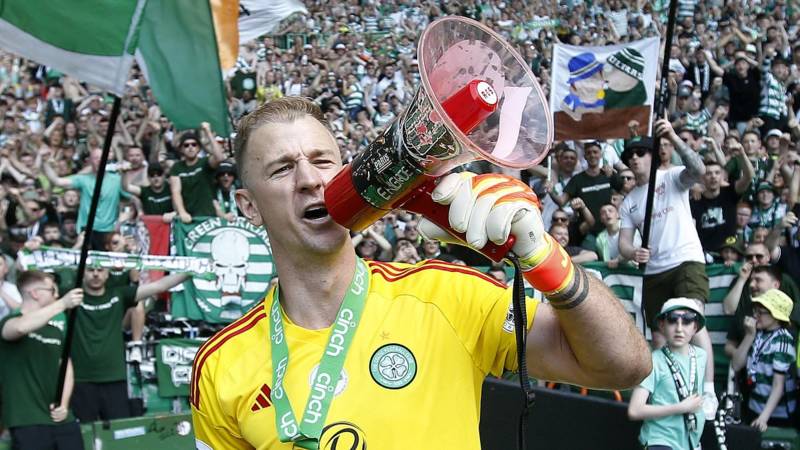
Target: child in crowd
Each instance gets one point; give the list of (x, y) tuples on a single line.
[(669, 400), (768, 352)]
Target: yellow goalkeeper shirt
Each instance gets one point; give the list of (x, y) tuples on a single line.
[(428, 336)]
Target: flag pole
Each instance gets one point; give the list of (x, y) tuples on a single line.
[(87, 240), (662, 100)]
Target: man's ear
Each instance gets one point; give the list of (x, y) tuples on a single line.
[(247, 204)]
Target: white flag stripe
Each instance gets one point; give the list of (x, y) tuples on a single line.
[(205, 247), (249, 286), (721, 281), (259, 17), (107, 72)]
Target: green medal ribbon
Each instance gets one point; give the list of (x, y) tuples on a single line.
[(306, 434)]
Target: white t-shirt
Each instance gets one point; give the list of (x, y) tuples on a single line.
[(11, 290), (673, 237)]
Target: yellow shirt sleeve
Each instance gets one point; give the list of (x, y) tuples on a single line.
[(213, 428), (496, 348)]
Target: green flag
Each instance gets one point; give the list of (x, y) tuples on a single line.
[(178, 54), (626, 283), (174, 365), (91, 40), (242, 260)]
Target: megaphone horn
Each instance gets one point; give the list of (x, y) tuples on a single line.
[(477, 100)]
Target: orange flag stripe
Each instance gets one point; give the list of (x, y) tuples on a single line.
[(226, 27)]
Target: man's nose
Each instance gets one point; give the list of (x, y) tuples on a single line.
[(308, 176)]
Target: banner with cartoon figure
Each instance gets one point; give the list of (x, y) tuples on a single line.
[(242, 262), (597, 91)]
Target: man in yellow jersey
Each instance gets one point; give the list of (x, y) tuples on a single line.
[(345, 352)]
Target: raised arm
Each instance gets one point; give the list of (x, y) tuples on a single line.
[(731, 300), (693, 163), (162, 285), (216, 154), (19, 327), (51, 175), (748, 171)]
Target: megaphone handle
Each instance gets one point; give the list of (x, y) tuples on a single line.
[(420, 201)]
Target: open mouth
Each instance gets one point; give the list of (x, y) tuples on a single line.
[(315, 213)]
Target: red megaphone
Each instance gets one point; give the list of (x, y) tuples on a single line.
[(477, 100)]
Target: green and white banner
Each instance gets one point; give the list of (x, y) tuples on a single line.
[(52, 258), (88, 39), (174, 359), (626, 283), (241, 259)]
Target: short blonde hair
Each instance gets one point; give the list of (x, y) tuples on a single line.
[(284, 109)]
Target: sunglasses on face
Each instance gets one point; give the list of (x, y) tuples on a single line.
[(686, 318), (190, 144), (640, 152)]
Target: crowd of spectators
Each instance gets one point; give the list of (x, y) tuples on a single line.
[(734, 74)]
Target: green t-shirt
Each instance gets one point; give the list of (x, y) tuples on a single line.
[(107, 207), (595, 192), (197, 186), (28, 375), (118, 279), (156, 202), (671, 430), (98, 352)]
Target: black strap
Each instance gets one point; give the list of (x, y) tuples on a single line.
[(520, 331)]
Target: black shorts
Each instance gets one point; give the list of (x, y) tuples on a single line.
[(100, 401), (687, 280), (61, 436)]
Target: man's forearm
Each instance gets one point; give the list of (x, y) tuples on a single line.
[(600, 333), (731, 300), (24, 324), (691, 159)]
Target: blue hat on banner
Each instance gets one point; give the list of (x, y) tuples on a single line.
[(583, 66)]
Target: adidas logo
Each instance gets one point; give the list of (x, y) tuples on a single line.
[(262, 401)]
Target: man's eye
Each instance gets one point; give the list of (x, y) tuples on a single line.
[(281, 169)]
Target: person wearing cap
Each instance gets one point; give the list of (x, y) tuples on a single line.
[(715, 211), (156, 198), (772, 141), (670, 400), (768, 353), (224, 201), (768, 210), (731, 251), (194, 175), (675, 259), (624, 76), (585, 86)]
